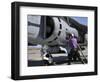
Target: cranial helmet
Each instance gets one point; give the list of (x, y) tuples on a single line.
[(72, 35)]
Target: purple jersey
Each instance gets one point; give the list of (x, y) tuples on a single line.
[(73, 43)]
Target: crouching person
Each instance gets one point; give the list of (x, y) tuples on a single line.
[(48, 59), (46, 56)]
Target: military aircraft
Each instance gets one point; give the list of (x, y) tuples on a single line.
[(53, 31)]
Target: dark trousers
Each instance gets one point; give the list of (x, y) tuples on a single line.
[(74, 54)]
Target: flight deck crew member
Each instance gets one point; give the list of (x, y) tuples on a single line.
[(46, 55), (74, 49)]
